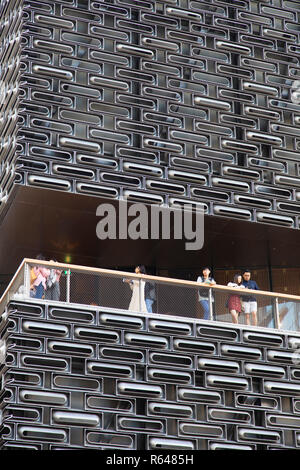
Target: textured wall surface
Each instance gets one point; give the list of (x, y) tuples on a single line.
[(161, 101), (93, 378), (10, 60)]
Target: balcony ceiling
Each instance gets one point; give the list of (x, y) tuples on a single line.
[(59, 224)]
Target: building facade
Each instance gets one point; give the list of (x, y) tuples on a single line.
[(158, 102), (155, 101), (91, 378)]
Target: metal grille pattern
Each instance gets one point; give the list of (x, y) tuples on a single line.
[(97, 378), (10, 60), (164, 102)]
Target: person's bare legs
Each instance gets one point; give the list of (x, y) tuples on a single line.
[(247, 315), (234, 315), (254, 318)]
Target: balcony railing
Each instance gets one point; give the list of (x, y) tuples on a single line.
[(127, 291)]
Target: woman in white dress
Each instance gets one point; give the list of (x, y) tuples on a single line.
[(138, 288)]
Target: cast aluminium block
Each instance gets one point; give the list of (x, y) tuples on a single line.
[(146, 340), (43, 397), (45, 328), (140, 389), (268, 339), (264, 370), (229, 415), (42, 433), (241, 351), (259, 435), (281, 388), (196, 395), (171, 409), (228, 382), (219, 365), (168, 326), (169, 376), (110, 369), (122, 354), (172, 360), (227, 446), (75, 418), (200, 430), (157, 443), (110, 440)]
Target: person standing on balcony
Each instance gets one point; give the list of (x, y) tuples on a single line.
[(234, 302), (150, 295), (249, 305), (52, 283), (138, 289), (38, 278), (203, 293)]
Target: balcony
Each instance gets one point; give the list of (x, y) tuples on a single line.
[(94, 369), (117, 291)]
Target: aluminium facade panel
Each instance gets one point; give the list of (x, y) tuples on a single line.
[(90, 393), (158, 102)]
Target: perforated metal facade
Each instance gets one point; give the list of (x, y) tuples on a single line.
[(154, 101), (94, 378), (10, 61), (158, 101)]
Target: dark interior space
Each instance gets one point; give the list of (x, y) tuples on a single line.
[(63, 226)]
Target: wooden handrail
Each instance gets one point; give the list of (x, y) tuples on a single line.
[(165, 280)]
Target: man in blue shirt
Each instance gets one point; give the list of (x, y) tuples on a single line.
[(203, 293), (249, 301)]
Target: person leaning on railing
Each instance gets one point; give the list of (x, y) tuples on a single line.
[(52, 284), (249, 304)]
